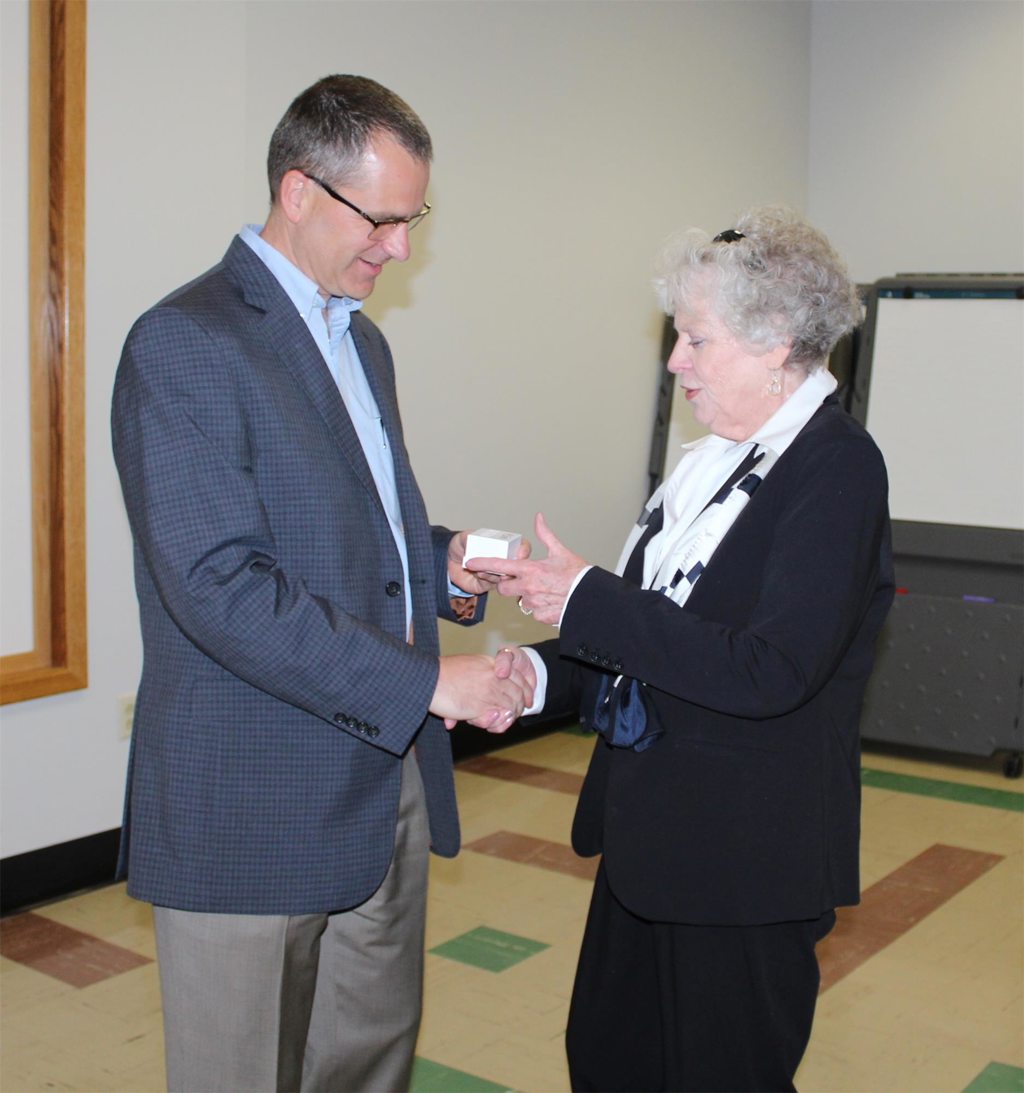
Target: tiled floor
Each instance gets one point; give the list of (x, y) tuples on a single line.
[(922, 984)]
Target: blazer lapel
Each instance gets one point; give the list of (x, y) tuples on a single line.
[(287, 336), (382, 385), (410, 501)]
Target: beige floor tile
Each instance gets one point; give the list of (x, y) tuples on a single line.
[(21, 987), (489, 804), (560, 751), (527, 1064), (78, 1044), (133, 998), (106, 912), (901, 823)]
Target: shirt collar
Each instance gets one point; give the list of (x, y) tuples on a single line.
[(303, 292)]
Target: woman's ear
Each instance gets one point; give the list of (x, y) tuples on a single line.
[(776, 358)]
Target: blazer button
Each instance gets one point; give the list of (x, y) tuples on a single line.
[(583, 651), (340, 719), (393, 588), (617, 665), (372, 731)]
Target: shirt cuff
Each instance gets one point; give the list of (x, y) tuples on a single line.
[(540, 691), (572, 588)]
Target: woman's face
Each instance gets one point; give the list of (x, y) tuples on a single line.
[(724, 380)]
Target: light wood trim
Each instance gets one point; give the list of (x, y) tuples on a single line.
[(57, 346)]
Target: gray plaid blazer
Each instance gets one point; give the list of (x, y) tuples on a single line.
[(278, 693)]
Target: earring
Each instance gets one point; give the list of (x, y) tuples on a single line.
[(775, 383)]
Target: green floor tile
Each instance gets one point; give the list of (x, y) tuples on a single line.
[(948, 791), (492, 950), (428, 1077), (998, 1078)]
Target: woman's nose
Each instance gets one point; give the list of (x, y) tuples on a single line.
[(679, 358)]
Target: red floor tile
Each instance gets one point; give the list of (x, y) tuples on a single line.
[(69, 955)]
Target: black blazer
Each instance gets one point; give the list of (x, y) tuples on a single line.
[(747, 809)]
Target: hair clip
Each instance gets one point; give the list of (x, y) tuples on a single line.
[(730, 235)]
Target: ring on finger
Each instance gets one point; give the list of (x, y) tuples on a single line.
[(525, 610)]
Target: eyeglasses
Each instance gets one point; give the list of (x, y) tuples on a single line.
[(381, 228)]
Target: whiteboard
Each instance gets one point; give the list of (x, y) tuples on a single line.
[(946, 407)]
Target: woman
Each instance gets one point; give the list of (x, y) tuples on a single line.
[(725, 664)]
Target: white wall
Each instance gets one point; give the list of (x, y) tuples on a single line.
[(570, 138), (917, 134)]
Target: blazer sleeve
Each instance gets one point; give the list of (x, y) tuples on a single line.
[(815, 568), (565, 682), (473, 612), (182, 441)]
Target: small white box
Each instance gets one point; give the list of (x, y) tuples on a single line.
[(488, 543)]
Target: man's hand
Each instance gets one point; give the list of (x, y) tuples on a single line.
[(542, 586), (475, 582), (470, 688)]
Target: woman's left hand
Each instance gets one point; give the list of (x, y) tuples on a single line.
[(541, 586)]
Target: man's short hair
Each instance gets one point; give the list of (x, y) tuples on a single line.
[(326, 130)]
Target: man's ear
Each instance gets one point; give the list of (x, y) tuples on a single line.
[(294, 195)]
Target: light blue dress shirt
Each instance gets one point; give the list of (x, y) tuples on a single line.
[(338, 348)]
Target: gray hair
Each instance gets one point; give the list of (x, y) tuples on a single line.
[(781, 282), (327, 129)]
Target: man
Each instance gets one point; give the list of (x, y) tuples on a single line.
[(289, 765)]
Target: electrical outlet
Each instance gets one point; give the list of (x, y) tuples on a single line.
[(127, 706)]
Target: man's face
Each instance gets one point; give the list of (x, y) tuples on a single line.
[(331, 244)]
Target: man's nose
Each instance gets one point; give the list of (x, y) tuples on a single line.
[(396, 243)]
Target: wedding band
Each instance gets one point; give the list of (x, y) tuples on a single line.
[(525, 610)]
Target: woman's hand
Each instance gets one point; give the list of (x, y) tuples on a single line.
[(542, 587)]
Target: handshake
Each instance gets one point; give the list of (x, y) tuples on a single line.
[(488, 692)]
